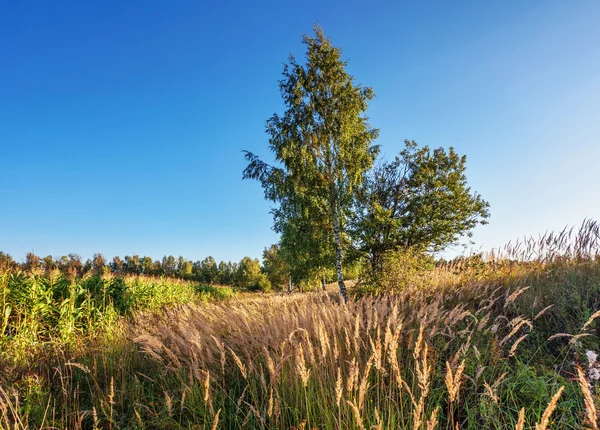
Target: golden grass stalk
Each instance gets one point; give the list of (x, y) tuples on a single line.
[(418, 346), (239, 363), (339, 387), (542, 312), (513, 349), (514, 296), (207, 387), (432, 422), (453, 382), (216, 421), (521, 421), (364, 384), (352, 376), (543, 424), (518, 323), (301, 367), (356, 413), (590, 406), (491, 393), (424, 378), (591, 319), (379, 425)]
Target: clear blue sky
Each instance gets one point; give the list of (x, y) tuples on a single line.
[(122, 122)]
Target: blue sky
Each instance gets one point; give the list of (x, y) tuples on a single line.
[(122, 123)]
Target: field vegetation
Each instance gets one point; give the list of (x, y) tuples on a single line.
[(503, 341)]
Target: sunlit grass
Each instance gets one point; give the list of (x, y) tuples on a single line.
[(479, 343)]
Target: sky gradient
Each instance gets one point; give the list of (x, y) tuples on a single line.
[(122, 123)]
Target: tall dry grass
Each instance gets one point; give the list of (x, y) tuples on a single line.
[(404, 361)]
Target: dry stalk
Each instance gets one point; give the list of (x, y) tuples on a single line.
[(590, 406), (543, 424), (521, 421), (453, 382), (591, 319)]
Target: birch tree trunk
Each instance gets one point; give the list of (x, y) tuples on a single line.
[(338, 256)]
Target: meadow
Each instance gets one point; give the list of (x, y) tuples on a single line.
[(504, 341)]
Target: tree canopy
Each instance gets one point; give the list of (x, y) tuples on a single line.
[(420, 200)]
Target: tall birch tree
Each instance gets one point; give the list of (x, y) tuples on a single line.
[(322, 146)]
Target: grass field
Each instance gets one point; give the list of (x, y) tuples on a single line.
[(505, 342)]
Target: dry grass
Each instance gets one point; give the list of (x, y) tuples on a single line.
[(344, 366)]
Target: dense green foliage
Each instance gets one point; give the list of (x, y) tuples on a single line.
[(418, 202), (39, 311)]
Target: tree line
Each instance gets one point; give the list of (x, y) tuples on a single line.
[(247, 273)]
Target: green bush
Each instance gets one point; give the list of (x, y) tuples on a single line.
[(400, 269), (261, 283)]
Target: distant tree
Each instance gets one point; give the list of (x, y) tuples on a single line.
[(250, 276), (419, 201), (226, 273), (322, 145), (247, 271), (186, 269), (157, 269), (147, 266), (133, 264), (63, 264), (275, 267), (48, 263), (98, 263), (197, 270), (117, 265), (180, 267), (209, 270), (75, 264), (32, 262), (7, 263), (169, 265)]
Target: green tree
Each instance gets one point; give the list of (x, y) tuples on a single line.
[(248, 270), (209, 270), (226, 273), (147, 266), (75, 264), (133, 264), (158, 269), (275, 267), (420, 201), (250, 276), (322, 145), (169, 265)]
